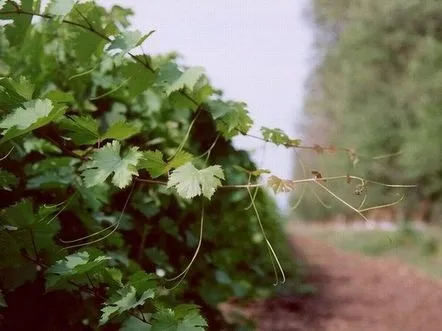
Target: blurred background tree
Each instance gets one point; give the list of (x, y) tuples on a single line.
[(376, 89)]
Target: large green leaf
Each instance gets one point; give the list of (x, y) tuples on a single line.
[(164, 320), (9, 250), (85, 44), (121, 130), (136, 292), (190, 182), (192, 321), (19, 215), (74, 265), (32, 115), (138, 78), (23, 117), (187, 80), (83, 130), (31, 232), (127, 40), (94, 197), (60, 7), (154, 163), (51, 172), (22, 86), (134, 324), (16, 32), (9, 96), (231, 117), (107, 161), (181, 318)]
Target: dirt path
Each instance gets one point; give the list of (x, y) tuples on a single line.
[(356, 293)]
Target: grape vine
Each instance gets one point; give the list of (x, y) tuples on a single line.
[(95, 138)]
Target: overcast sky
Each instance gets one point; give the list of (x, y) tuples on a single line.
[(257, 51)]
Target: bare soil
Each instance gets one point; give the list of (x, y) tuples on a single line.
[(355, 293)]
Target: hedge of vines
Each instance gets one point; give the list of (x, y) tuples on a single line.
[(123, 203)]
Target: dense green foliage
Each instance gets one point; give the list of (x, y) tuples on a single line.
[(377, 89), (110, 164)]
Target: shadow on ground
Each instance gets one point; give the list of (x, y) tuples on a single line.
[(354, 293)]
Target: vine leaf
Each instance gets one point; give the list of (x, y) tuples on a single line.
[(167, 74), (75, 265), (190, 182), (82, 129), (128, 40), (60, 7), (28, 229), (17, 31), (192, 322), (22, 86), (164, 320), (94, 197), (279, 137), (188, 79), (181, 318), (154, 163), (179, 159), (135, 324), (23, 117), (280, 185), (139, 288), (32, 115), (256, 173), (33, 144), (19, 215), (231, 117), (107, 160), (120, 130), (51, 172), (9, 248), (190, 319), (125, 300), (10, 97)]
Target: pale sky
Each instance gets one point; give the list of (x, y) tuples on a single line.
[(257, 51)]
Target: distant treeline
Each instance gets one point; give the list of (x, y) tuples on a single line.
[(376, 88)]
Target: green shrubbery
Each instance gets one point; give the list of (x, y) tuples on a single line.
[(89, 231), (376, 89)]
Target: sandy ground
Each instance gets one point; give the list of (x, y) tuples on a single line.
[(355, 293)]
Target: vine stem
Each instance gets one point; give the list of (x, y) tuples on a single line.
[(183, 274), (7, 154), (186, 136), (273, 256), (314, 148), (112, 228), (294, 181)]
